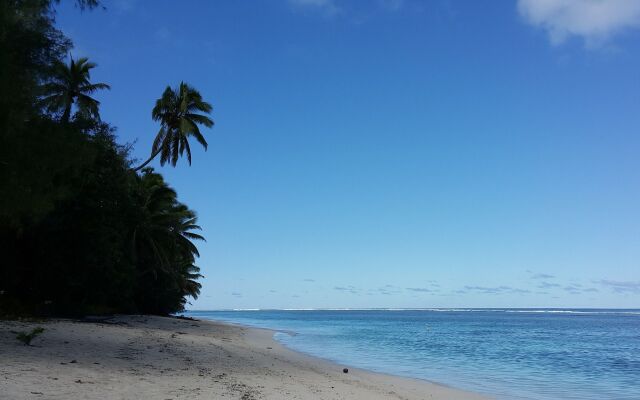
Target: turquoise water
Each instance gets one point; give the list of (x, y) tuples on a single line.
[(508, 354)]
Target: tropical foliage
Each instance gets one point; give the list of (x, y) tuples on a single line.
[(80, 231), (162, 243), (71, 84), (178, 113)]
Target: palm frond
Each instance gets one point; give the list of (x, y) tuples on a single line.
[(92, 87), (160, 137), (200, 119), (176, 110)]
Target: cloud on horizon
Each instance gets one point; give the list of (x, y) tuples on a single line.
[(349, 289), (388, 290), (496, 290), (594, 21), (419, 289), (547, 285), (572, 289), (621, 286), (542, 276)]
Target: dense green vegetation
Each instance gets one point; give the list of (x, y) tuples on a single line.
[(81, 230)]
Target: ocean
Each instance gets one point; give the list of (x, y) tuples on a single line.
[(533, 354)]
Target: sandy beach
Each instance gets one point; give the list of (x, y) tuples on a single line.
[(143, 357)]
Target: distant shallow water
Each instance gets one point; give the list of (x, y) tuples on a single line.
[(535, 354)]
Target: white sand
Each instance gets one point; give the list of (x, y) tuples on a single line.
[(141, 357)]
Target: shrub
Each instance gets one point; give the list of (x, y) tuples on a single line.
[(26, 338)]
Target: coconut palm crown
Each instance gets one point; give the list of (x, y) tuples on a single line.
[(180, 111), (71, 84)]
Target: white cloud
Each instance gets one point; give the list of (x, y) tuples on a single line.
[(595, 21), (391, 5), (327, 6)]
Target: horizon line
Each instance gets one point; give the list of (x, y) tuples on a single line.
[(452, 309)]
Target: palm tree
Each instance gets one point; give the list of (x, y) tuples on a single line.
[(166, 227), (162, 246), (188, 282), (178, 112), (71, 84)]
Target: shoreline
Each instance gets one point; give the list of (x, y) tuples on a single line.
[(328, 363), (266, 334), (150, 357)]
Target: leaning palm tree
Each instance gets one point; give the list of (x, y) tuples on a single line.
[(71, 84), (178, 112)]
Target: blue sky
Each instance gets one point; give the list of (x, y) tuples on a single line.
[(394, 153)]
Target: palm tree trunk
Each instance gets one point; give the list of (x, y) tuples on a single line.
[(153, 155), (66, 114)]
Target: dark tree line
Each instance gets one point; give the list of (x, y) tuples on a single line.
[(81, 230)]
